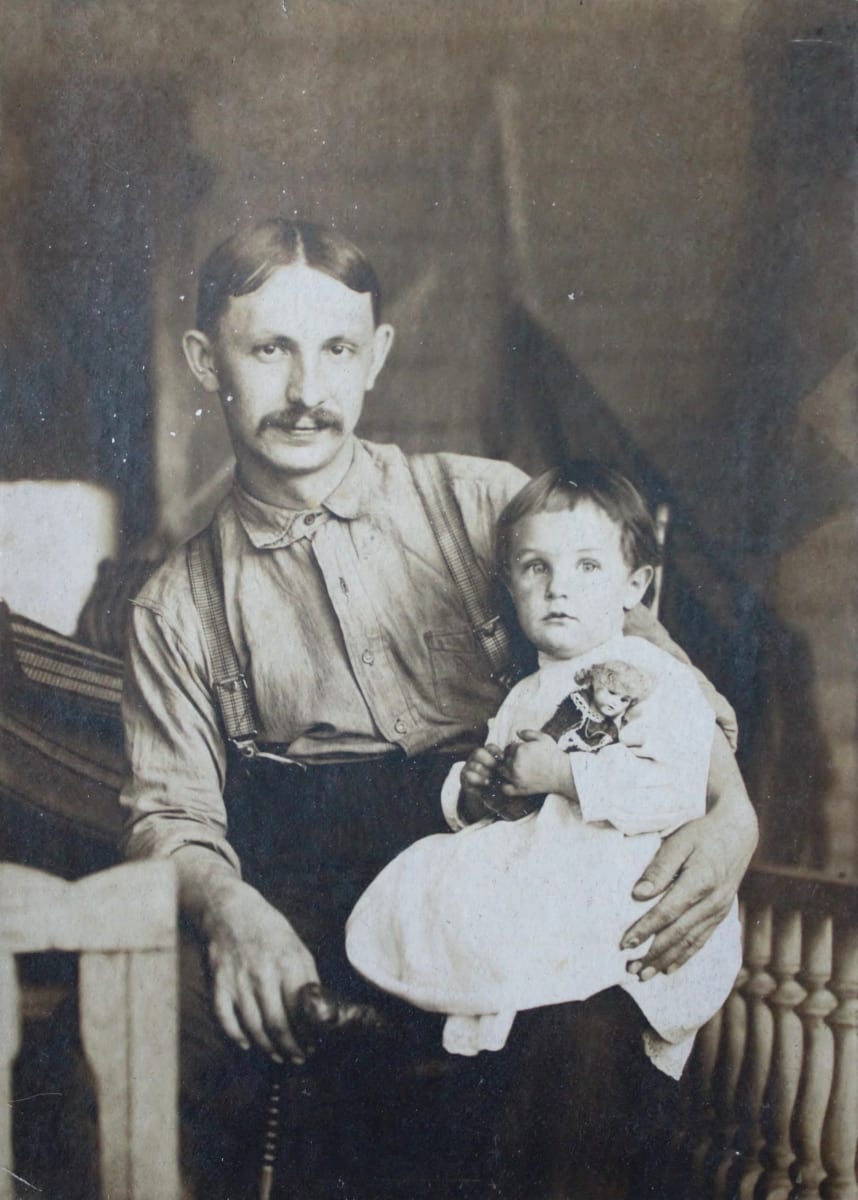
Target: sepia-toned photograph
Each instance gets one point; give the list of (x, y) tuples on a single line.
[(428, 600)]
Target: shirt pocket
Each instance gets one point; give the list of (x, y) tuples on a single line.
[(460, 678)]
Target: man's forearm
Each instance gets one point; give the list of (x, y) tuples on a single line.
[(258, 964), (207, 883), (726, 795)]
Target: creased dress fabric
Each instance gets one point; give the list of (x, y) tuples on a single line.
[(507, 915)]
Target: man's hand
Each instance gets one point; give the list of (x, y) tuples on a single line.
[(259, 965), (535, 764), (698, 869)]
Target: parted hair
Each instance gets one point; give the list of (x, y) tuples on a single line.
[(245, 261), (563, 488)]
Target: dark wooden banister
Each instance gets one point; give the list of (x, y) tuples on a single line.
[(802, 889)]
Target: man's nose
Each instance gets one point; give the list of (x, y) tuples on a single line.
[(302, 386)]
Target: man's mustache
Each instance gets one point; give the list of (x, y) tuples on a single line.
[(320, 418)]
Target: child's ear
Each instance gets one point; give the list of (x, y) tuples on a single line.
[(638, 582)]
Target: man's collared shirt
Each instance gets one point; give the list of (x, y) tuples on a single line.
[(346, 623)]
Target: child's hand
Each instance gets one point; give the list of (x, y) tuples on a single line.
[(478, 773), (479, 780), (535, 764)]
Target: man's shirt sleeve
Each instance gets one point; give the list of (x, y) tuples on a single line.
[(483, 488), (174, 745), (641, 623)]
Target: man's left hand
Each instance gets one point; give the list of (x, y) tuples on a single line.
[(697, 872)]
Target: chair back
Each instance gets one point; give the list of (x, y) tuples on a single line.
[(122, 923), (661, 517)]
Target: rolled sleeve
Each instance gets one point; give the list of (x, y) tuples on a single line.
[(176, 752)]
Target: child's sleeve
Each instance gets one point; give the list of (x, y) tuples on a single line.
[(450, 790), (654, 778)]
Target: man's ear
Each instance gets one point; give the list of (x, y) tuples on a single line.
[(382, 340), (199, 353), (638, 582)]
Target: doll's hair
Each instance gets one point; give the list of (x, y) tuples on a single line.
[(620, 677), (563, 488)]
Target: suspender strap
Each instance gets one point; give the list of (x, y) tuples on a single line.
[(445, 517), (229, 684)]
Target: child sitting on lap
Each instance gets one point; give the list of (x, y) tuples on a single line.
[(590, 761)]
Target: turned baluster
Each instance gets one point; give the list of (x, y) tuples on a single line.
[(815, 1086), (733, 1042), (755, 1071), (840, 1130), (786, 1056), (701, 1088)]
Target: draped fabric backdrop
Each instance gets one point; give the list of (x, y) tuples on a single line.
[(624, 229)]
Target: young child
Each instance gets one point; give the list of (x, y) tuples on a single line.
[(589, 762)]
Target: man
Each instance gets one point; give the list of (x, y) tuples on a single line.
[(359, 661)]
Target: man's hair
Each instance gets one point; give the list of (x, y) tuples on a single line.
[(245, 261), (563, 488)]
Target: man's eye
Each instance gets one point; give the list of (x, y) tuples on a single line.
[(269, 350), (588, 566), (537, 567), (339, 349)]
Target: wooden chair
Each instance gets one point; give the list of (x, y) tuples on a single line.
[(122, 922), (661, 516)]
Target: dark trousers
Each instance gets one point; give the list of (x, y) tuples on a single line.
[(570, 1108)]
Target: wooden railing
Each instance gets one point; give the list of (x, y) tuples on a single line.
[(773, 1086)]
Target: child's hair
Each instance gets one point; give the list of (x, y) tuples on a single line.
[(563, 488), (620, 677)]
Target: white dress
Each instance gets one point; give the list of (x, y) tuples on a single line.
[(506, 915)]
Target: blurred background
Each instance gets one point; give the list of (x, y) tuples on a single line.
[(621, 228)]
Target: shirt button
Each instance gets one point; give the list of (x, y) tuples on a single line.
[(309, 518), (400, 726), (368, 657)]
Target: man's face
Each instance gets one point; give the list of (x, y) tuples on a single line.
[(292, 362), (569, 579)]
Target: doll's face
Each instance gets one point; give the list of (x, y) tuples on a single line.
[(609, 702)]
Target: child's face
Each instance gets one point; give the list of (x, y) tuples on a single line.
[(569, 580), (610, 702)]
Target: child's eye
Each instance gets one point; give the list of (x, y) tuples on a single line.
[(535, 567), (588, 565)]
